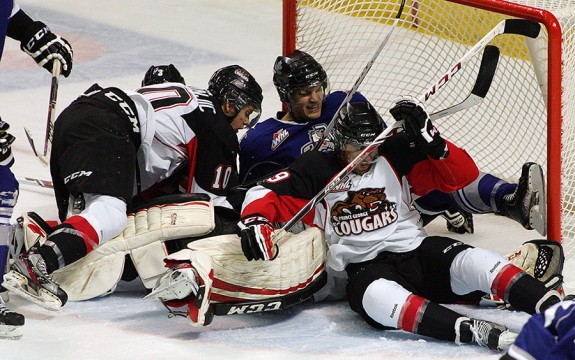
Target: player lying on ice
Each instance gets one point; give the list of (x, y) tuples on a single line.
[(397, 275), (303, 87), (112, 147)]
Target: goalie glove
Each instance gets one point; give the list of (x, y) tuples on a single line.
[(418, 126), (256, 236), (44, 47), (542, 259), (6, 140)]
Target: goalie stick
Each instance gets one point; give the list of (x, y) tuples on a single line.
[(44, 157), (362, 76), (482, 84), (273, 304), (509, 26)]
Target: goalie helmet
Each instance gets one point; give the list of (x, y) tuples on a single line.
[(296, 71), (358, 124), (158, 74), (235, 85)]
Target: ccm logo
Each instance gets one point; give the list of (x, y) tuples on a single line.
[(77, 174), (247, 309)]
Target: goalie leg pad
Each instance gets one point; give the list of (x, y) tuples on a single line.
[(170, 218)]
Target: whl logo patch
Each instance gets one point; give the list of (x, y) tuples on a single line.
[(365, 210), (278, 138)]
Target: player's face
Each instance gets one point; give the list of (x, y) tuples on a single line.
[(243, 117), (306, 103), (350, 152)]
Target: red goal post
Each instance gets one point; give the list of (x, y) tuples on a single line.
[(343, 35)]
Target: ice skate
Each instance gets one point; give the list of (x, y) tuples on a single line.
[(29, 279), (177, 283), (527, 205), (11, 323), (484, 333)]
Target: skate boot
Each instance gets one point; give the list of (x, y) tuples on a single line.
[(485, 333), (527, 205), (29, 279), (11, 323), (187, 286)]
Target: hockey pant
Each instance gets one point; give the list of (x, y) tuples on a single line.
[(404, 290)]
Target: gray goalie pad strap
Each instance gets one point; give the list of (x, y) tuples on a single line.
[(97, 273)]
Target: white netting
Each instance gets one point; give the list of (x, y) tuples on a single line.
[(507, 129)]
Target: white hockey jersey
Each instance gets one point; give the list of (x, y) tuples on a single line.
[(365, 215)]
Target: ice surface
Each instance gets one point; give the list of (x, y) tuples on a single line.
[(114, 43)]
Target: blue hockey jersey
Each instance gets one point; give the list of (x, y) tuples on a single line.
[(549, 335), (264, 149)]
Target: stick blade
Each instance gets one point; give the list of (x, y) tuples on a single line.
[(30, 140), (522, 27), (487, 69)]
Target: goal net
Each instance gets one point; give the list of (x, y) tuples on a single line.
[(529, 111)]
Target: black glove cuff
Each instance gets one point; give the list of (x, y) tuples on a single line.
[(18, 26), (438, 149)]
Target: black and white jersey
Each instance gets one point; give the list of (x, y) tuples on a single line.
[(185, 126), (365, 214)]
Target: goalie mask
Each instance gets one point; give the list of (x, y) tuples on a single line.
[(162, 74), (358, 124), (296, 71), (236, 86)]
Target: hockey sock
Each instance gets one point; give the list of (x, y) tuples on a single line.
[(70, 241), (519, 289), (427, 318)]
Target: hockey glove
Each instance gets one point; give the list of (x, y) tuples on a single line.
[(6, 140), (256, 236), (458, 221), (418, 126), (44, 46)]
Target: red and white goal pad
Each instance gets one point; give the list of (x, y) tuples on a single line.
[(529, 112)]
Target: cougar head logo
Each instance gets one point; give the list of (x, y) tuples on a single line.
[(369, 200)]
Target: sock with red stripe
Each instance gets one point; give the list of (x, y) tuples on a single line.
[(70, 241), (429, 319)]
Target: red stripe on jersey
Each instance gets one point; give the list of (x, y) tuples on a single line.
[(411, 313), (504, 279), (192, 149), (276, 208), (431, 174), (87, 231)]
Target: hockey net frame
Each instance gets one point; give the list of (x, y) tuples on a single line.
[(529, 113)]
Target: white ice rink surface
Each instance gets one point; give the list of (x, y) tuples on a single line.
[(114, 43)]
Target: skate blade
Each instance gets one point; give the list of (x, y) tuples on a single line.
[(10, 332), (538, 213), (18, 284)]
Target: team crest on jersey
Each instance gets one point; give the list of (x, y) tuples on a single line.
[(315, 134), (278, 138), (365, 210)]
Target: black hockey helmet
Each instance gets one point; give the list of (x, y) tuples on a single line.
[(295, 71), (358, 124), (158, 74), (235, 85)]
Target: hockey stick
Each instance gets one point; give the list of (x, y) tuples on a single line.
[(509, 26), (56, 69), (482, 84), (273, 304), (35, 182), (361, 77)]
